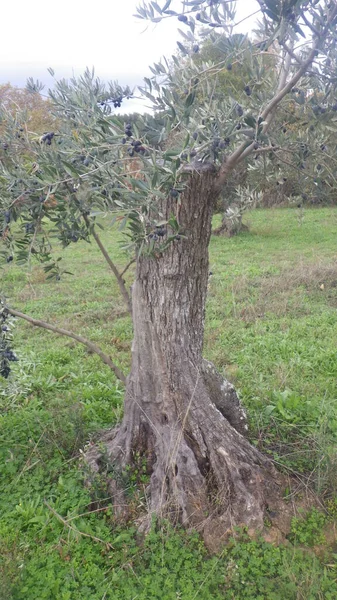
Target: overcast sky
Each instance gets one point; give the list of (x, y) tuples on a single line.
[(69, 35)]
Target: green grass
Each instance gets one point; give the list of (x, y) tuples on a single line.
[(271, 327)]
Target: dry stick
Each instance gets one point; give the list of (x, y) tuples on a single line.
[(104, 357), (112, 266), (74, 529)]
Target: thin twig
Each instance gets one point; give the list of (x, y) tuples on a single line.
[(112, 266), (127, 266), (59, 330)]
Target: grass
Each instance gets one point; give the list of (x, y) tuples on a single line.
[(271, 326), (274, 331)]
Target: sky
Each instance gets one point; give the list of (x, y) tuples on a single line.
[(69, 35)]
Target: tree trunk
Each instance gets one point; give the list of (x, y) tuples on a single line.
[(179, 414), (230, 227)]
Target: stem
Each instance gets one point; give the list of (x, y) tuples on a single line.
[(38, 323), (133, 260), (112, 266)]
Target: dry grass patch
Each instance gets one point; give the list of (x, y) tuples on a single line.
[(285, 292)]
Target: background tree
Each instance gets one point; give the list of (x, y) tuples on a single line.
[(180, 416), (30, 102)]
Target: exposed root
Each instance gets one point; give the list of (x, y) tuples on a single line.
[(205, 475), (223, 395)]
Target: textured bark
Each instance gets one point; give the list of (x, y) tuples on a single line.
[(223, 395), (179, 413)]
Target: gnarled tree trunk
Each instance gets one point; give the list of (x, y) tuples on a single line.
[(179, 414)]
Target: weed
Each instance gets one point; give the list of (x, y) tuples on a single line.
[(308, 530)]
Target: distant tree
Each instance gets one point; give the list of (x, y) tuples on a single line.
[(36, 108), (180, 416)]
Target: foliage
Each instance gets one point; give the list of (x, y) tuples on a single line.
[(259, 571), (302, 131), (89, 163), (308, 530)]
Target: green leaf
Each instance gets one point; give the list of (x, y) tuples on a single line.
[(148, 82), (156, 7), (182, 48), (187, 36), (148, 95), (250, 121), (166, 5), (171, 152), (190, 99), (298, 29), (138, 183), (186, 142), (154, 179), (70, 169)]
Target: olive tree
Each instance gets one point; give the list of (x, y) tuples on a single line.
[(180, 415)]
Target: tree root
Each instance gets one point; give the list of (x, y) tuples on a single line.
[(202, 472)]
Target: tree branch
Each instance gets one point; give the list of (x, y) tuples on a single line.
[(245, 149), (133, 260), (38, 323), (308, 24), (284, 72), (112, 266), (292, 54)]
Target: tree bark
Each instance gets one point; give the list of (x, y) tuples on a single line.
[(229, 227), (179, 414)]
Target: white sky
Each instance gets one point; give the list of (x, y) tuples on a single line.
[(69, 35)]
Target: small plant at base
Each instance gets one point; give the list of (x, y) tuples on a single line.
[(135, 475), (331, 507), (308, 530)]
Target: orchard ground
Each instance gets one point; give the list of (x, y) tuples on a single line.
[(271, 327)]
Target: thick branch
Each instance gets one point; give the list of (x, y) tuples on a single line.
[(285, 68), (308, 24), (38, 323), (284, 72), (288, 87), (247, 148), (112, 266), (292, 54)]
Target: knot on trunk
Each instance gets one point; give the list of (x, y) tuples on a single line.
[(224, 396)]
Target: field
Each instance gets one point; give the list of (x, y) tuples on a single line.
[(271, 327)]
